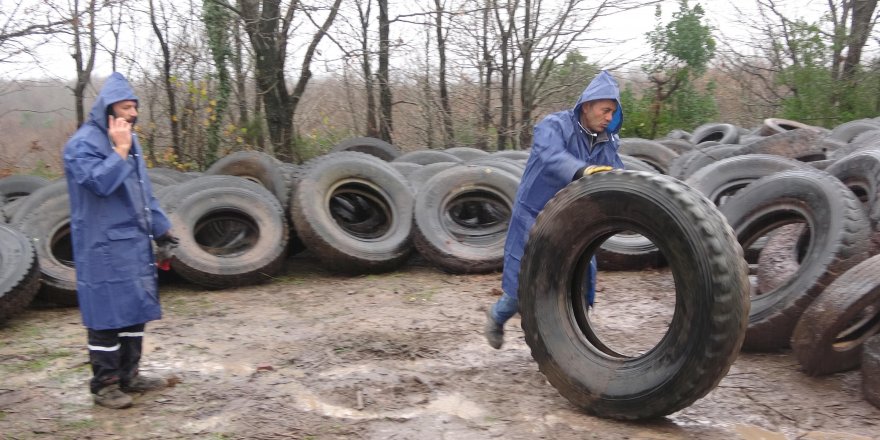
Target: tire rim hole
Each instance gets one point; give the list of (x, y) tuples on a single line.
[(360, 211), (863, 326), (476, 216), (652, 317), (226, 233), (61, 246)]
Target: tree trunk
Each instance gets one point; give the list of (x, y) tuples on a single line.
[(83, 66), (485, 70), (306, 73), (372, 126), (448, 132), (240, 78), (263, 26), (385, 125), (504, 120), (526, 100), (860, 30), (173, 116)]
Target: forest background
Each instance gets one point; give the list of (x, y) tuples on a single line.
[(293, 78)]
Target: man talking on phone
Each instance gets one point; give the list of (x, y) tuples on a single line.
[(114, 217)]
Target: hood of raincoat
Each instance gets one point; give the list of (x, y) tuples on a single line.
[(115, 89), (603, 86), (113, 220), (560, 149)]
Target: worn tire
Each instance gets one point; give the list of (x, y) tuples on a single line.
[(847, 131), (773, 126), (369, 145), (635, 164), (512, 154), (720, 180), (871, 370), (44, 217), (683, 166), (829, 335), (375, 237), (508, 165), (679, 146), (257, 167), (19, 272), (839, 240), (466, 153), (803, 144), (860, 172), (20, 185), (232, 231), (711, 285), (721, 133), (651, 152), (461, 217), (426, 157), (418, 178), (780, 257)]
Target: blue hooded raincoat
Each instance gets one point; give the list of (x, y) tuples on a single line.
[(113, 218), (561, 147)]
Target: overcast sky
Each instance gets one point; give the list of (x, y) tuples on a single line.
[(628, 28)]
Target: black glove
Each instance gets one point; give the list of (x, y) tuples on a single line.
[(165, 248), (167, 239)]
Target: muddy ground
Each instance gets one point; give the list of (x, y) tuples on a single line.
[(315, 355)]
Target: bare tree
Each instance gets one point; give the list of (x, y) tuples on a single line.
[(24, 27), (446, 107), (547, 33), (385, 97), (268, 26), (159, 22), (81, 19)]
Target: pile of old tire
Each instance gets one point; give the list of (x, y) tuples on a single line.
[(711, 291), (232, 231), (462, 214), (19, 272), (44, 217), (16, 187), (353, 211)]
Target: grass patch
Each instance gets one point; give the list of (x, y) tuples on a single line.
[(42, 362)]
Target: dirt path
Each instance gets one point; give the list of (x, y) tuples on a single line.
[(395, 356)]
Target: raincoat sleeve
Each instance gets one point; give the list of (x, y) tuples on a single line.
[(560, 165), (161, 223), (98, 173)]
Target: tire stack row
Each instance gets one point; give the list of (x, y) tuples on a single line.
[(803, 204)]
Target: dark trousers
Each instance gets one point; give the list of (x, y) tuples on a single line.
[(114, 355)]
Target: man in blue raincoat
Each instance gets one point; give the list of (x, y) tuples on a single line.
[(567, 146), (113, 219)]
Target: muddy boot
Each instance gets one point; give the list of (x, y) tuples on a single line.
[(141, 383), (493, 331), (112, 397)]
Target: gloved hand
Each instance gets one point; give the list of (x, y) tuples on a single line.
[(167, 239), (593, 169), (165, 250)]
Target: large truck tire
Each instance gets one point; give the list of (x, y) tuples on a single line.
[(369, 145), (711, 293), (830, 334), (354, 211), (19, 272), (839, 240), (232, 231), (461, 217)]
